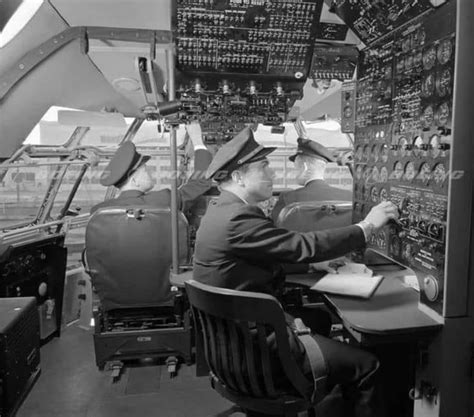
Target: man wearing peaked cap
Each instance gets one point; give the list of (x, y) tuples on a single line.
[(310, 161), (238, 247), (241, 150), (127, 172)]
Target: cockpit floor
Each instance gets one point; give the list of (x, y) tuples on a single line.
[(70, 385)]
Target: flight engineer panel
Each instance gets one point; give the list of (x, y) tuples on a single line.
[(403, 139)]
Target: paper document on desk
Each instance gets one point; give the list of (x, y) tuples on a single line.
[(352, 279)]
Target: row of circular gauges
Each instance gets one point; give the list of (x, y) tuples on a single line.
[(403, 148), (425, 173), (441, 82), (440, 53), (439, 115)]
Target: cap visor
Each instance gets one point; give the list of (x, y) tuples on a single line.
[(262, 154)]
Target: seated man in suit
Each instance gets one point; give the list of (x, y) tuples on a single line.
[(238, 247), (310, 161), (127, 171)]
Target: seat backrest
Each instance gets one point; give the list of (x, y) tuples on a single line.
[(239, 342), (306, 216), (128, 252)]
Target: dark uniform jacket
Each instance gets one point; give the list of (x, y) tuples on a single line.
[(187, 193), (237, 247), (315, 190)]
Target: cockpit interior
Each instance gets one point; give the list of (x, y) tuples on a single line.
[(99, 312)]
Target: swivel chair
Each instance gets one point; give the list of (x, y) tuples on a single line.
[(128, 256), (236, 328)]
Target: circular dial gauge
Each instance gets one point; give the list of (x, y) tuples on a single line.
[(347, 111), (442, 115), (417, 144), (366, 153), (439, 173), (384, 153), (375, 174), (375, 153), (359, 172), (429, 58), (367, 174), (383, 177), (410, 171), (402, 144), (428, 85), (443, 82), (383, 195), (428, 117), (374, 195), (425, 172), (445, 49), (397, 170)]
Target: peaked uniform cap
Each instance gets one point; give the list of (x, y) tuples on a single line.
[(312, 148), (123, 164), (242, 149)]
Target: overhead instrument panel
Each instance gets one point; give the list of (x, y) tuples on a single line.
[(403, 142), (370, 19), (252, 36), (242, 61)]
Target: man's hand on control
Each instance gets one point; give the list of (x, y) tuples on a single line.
[(380, 214)]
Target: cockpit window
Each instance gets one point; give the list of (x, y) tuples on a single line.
[(22, 15), (23, 187)]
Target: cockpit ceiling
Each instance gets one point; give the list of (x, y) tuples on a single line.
[(100, 76)]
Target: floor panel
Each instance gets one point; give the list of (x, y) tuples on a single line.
[(70, 385)]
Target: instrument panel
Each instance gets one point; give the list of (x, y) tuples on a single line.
[(253, 36), (372, 19), (403, 140)]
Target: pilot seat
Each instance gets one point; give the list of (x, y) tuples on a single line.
[(138, 313)]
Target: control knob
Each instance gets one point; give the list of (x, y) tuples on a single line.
[(431, 288)]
